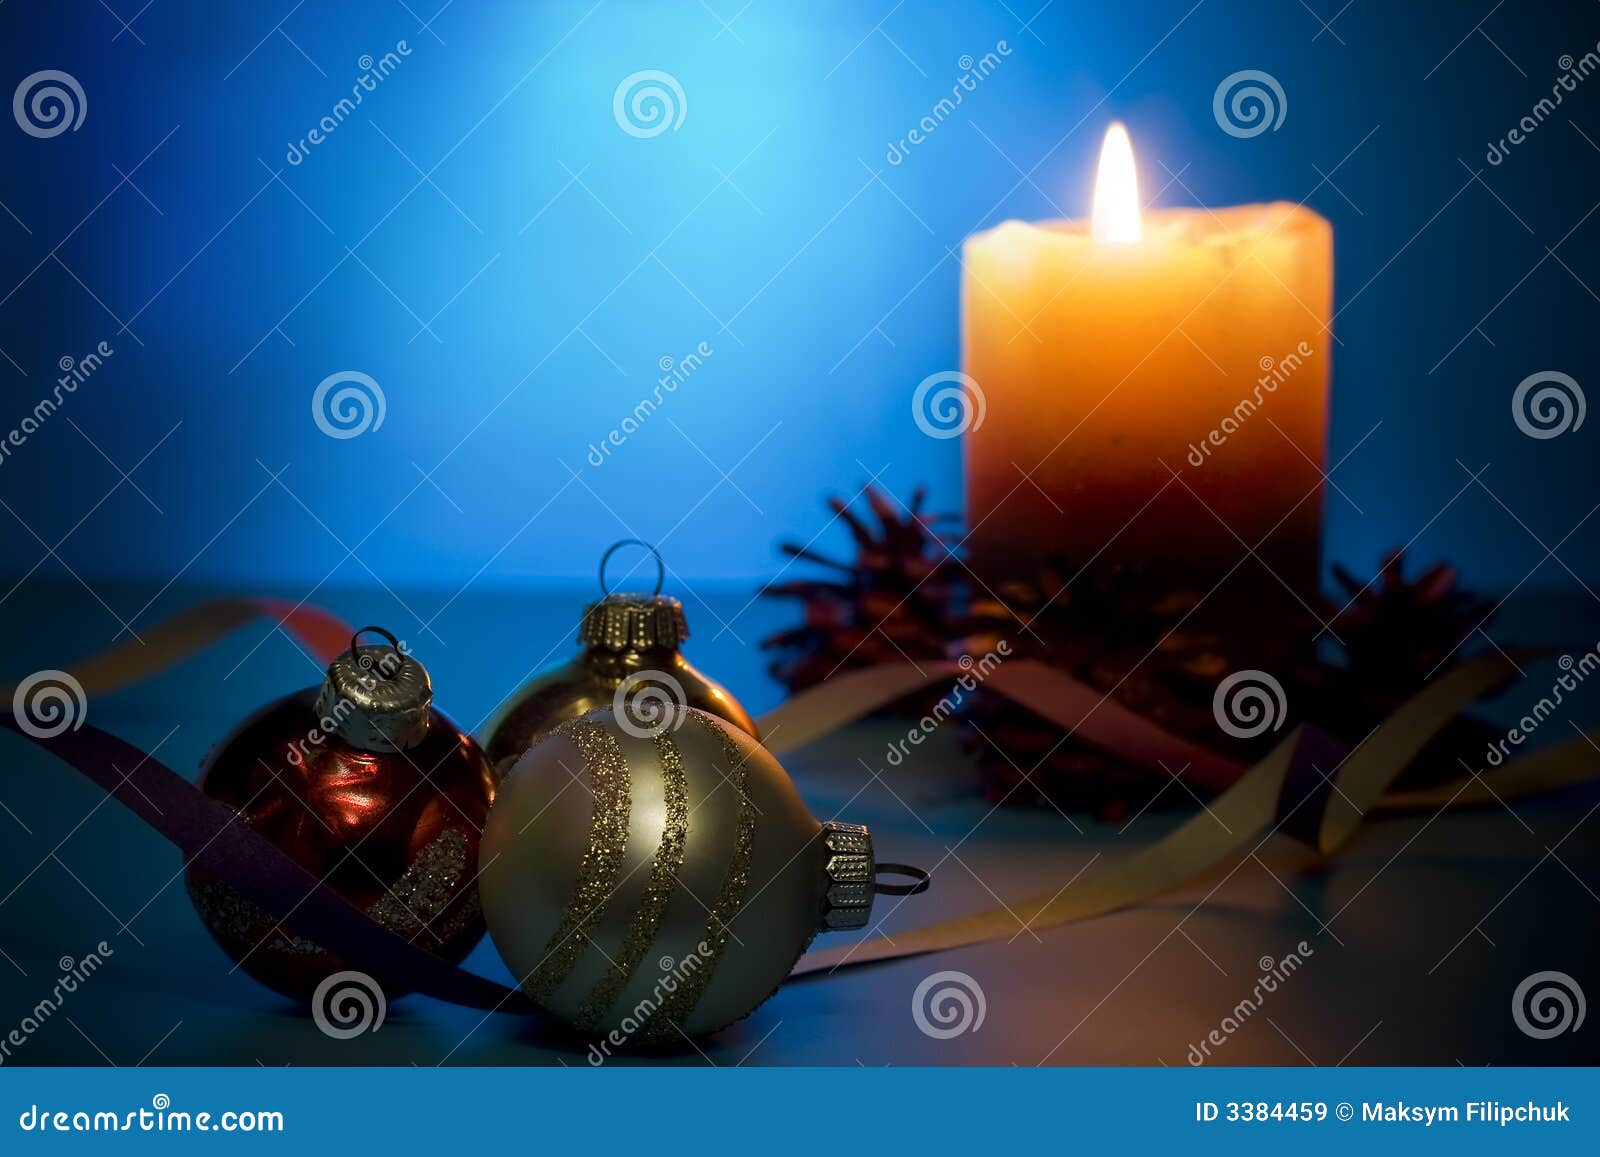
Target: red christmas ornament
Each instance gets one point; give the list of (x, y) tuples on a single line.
[(371, 789)]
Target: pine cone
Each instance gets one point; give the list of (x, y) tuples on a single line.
[(1392, 635), (896, 600)]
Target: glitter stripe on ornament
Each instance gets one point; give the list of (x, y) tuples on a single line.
[(601, 865), (678, 1006), (645, 921)]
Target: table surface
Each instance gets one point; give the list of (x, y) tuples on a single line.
[(1418, 932)]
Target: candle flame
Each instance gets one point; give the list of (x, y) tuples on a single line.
[(1116, 190)]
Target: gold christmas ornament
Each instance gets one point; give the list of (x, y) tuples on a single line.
[(651, 881), (630, 660)]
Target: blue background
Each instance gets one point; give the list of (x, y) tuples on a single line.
[(557, 259)]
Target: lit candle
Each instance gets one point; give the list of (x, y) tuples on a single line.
[(1154, 386)]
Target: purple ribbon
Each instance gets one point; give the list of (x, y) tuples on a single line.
[(210, 837)]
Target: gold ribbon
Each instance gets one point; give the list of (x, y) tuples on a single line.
[(1271, 796)]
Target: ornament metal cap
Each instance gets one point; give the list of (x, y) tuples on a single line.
[(628, 622), (847, 863), (633, 623), (376, 698), (852, 876)]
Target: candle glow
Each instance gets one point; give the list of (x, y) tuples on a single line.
[(1114, 352), (1115, 217)]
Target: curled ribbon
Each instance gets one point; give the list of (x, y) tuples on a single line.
[(1311, 787)]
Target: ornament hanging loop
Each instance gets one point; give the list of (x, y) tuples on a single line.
[(661, 567), (920, 880), (365, 661)]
